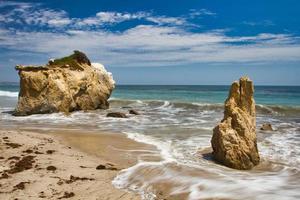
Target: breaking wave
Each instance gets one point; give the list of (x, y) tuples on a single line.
[(8, 94), (159, 104)]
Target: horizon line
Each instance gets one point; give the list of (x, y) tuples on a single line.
[(137, 84)]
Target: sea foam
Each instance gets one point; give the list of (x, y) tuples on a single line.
[(8, 94)]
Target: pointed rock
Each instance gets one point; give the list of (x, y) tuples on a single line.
[(234, 140)]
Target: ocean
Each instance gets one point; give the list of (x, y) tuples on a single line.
[(178, 120)]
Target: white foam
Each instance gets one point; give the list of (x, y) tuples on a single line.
[(282, 147), (224, 182), (121, 181), (108, 75), (166, 104), (164, 147), (208, 184), (8, 93)]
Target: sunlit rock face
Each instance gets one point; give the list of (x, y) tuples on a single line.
[(234, 140), (64, 85)]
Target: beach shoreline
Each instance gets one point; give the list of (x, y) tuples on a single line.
[(65, 164)]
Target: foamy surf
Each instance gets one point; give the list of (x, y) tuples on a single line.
[(8, 94), (201, 180)]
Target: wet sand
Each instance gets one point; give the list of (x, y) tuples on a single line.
[(64, 165), (111, 147)]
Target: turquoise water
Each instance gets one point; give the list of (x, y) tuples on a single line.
[(269, 95)]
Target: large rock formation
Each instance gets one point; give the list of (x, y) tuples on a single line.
[(234, 139), (64, 85)]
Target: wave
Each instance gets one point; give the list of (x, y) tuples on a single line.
[(8, 93), (219, 107), (278, 109), (164, 104)]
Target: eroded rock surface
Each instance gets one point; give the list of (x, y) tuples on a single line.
[(234, 140), (64, 85)]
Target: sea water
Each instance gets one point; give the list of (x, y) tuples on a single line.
[(178, 120)]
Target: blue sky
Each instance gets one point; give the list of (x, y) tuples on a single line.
[(158, 42)]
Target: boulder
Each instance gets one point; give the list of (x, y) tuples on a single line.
[(64, 85), (134, 112), (266, 127), (234, 140), (116, 115)]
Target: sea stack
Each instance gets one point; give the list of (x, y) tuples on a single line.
[(63, 85), (234, 140)]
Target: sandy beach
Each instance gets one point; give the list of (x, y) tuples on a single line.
[(64, 165)]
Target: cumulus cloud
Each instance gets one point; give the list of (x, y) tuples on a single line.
[(156, 46), (166, 42), (104, 18)]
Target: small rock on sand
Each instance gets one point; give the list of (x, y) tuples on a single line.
[(107, 167), (51, 168), (13, 145), (50, 151), (67, 195), (20, 186)]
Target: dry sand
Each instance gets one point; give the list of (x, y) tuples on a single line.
[(64, 165)]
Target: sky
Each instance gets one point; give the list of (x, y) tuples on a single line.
[(197, 42)]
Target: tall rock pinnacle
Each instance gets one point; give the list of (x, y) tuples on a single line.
[(234, 138)]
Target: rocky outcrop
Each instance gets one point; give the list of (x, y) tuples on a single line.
[(133, 112), (63, 85), (266, 127), (234, 138), (116, 115)]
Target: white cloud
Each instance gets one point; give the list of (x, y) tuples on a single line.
[(197, 13), (35, 15), (166, 42), (20, 5), (103, 18), (109, 18), (46, 17), (32, 15), (156, 46), (167, 20), (59, 22)]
